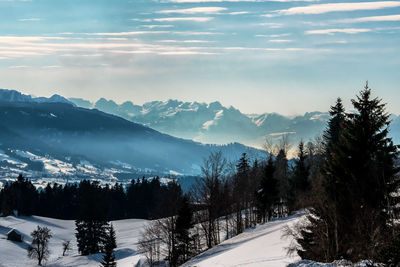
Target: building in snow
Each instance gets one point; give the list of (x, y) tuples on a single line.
[(14, 235)]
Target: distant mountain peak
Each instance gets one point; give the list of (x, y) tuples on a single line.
[(8, 95)]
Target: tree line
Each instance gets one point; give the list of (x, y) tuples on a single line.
[(142, 198)]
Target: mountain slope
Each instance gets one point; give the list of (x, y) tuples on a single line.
[(58, 139)]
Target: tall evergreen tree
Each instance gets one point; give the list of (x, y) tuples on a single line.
[(267, 195), (300, 183), (110, 245), (183, 224), (359, 183)]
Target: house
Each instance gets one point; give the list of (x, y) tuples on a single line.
[(14, 235)]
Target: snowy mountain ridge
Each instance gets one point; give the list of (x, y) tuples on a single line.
[(7, 95), (215, 123)]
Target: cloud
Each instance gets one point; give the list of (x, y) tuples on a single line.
[(117, 33), (374, 18), (184, 41), (273, 35), (336, 7), (157, 26), (239, 13), (194, 10), (196, 19), (31, 19), (333, 31), (280, 41), (272, 25), (19, 67)]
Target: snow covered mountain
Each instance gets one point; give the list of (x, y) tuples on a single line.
[(213, 123), (58, 140), (14, 96)]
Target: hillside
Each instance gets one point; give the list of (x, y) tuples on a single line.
[(261, 246)]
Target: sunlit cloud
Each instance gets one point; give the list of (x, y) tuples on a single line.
[(333, 31), (374, 18), (239, 13), (336, 7)]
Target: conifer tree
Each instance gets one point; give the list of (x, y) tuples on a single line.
[(300, 183), (183, 224), (352, 218), (110, 245), (267, 195)]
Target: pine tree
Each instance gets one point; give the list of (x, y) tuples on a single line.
[(300, 183), (110, 245), (183, 224), (267, 195), (351, 219)]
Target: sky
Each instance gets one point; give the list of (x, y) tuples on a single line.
[(285, 56)]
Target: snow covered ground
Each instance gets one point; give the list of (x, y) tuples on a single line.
[(14, 254), (260, 246)]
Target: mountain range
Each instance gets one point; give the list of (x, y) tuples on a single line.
[(52, 137), (214, 123)]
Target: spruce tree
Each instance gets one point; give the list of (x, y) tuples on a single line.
[(267, 195), (300, 183), (110, 245), (352, 217), (183, 224)]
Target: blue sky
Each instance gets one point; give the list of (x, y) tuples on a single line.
[(259, 56)]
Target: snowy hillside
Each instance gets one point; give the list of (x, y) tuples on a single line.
[(261, 246), (14, 254)]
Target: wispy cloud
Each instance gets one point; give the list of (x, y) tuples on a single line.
[(31, 19), (116, 33), (156, 26), (333, 31), (196, 19), (273, 35), (239, 13), (336, 7), (280, 41), (272, 25), (19, 67), (194, 10), (185, 41), (374, 18)]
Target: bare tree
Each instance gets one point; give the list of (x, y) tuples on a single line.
[(149, 244), (208, 193), (66, 246), (39, 248)]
